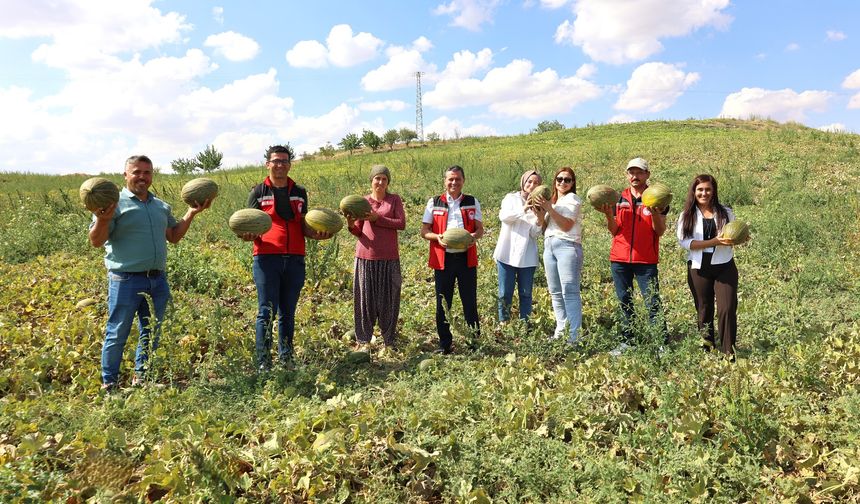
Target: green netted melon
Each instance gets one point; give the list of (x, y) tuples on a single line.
[(354, 206), (736, 231), (457, 238), (543, 191), (657, 195), (250, 220), (358, 357), (324, 220), (97, 193), (197, 191), (601, 195)]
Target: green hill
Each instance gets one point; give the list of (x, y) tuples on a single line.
[(519, 418)]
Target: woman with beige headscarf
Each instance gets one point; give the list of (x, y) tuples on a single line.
[(516, 251)]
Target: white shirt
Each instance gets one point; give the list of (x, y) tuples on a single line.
[(455, 217), (569, 206), (722, 253), (517, 243)]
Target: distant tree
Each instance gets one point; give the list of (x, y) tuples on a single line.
[(350, 142), (545, 126), (209, 159), (433, 137), (390, 138), (327, 150), (183, 166), (371, 139), (308, 156), (407, 135)]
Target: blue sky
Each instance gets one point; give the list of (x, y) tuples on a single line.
[(86, 83)]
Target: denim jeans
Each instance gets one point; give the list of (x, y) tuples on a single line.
[(562, 260), (524, 278), (646, 276), (279, 280), (125, 300)]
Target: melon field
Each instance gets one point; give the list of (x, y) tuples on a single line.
[(510, 416)]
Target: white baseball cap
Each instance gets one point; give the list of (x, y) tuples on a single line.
[(638, 163)]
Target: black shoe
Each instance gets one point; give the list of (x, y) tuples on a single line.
[(442, 351)]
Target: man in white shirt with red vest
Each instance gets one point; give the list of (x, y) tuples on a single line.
[(453, 209), (636, 231)]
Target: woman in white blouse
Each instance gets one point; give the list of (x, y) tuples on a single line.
[(516, 251), (562, 254), (711, 270)]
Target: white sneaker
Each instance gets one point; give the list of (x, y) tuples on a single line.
[(620, 349)]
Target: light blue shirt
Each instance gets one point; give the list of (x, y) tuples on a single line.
[(137, 234)]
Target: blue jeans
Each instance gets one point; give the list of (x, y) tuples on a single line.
[(562, 260), (125, 300), (646, 276), (279, 280), (524, 278)]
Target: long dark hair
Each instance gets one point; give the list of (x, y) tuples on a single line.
[(555, 190), (688, 221)]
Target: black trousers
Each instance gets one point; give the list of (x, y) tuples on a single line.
[(466, 279), (720, 282)]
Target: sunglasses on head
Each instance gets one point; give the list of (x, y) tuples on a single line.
[(565, 180)]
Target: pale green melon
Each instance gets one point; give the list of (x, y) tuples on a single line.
[(354, 206), (197, 191), (457, 238), (544, 191), (250, 220), (658, 195), (601, 195), (736, 231), (97, 193), (324, 220)]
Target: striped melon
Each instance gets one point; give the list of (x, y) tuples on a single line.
[(250, 220), (737, 231), (197, 191), (543, 191), (354, 206), (657, 195), (324, 220), (97, 193), (601, 195), (457, 238)]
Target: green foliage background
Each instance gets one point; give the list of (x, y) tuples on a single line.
[(517, 419)]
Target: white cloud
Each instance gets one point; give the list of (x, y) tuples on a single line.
[(342, 49), (448, 128), (833, 128), (233, 46), (377, 106), (218, 15), (654, 87), (621, 32), (468, 14), (852, 81), (780, 105), (854, 102), (554, 4), (464, 64), (422, 44), (308, 54), (513, 91), (835, 36), (794, 46), (621, 119), (90, 34), (398, 72), (586, 71)]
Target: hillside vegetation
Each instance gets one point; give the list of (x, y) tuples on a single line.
[(516, 418)]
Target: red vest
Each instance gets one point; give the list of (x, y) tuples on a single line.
[(440, 224), (636, 241), (286, 236)]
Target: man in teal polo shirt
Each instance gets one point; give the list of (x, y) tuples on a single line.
[(135, 231)]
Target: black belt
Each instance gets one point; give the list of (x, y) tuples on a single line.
[(147, 273)]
